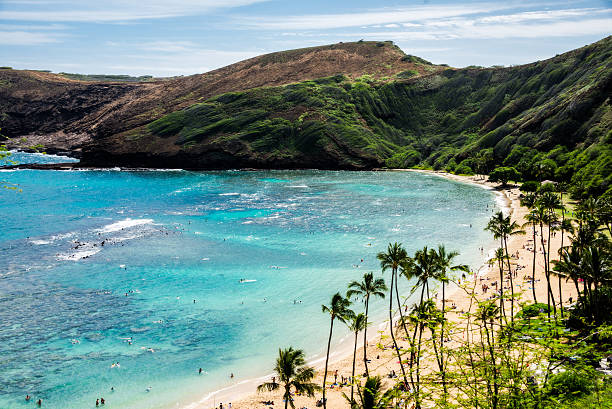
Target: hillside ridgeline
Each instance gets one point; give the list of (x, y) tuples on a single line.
[(64, 114), (357, 106)]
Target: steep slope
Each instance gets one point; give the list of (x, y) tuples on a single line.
[(48, 107), (550, 119)]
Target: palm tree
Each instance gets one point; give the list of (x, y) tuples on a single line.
[(371, 395), (568, 265), (358, 323), (445, 261), (502, 227), (338, 309), (529, 200), (392, 259), (367, 288), (543, 216), (597, 268), (421, 316), (500, 256), (292, 372)]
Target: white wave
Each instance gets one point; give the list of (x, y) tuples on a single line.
[(124, 224), (298, 186), (229, 194), (78, 255), (41, 242)]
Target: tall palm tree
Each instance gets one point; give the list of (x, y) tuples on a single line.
[(392, 259), (338, 309), (421, 316), (503, 227), (445, 261), (371, 395), (529, 200), (368, 287), (500, 257), (292, 372), (544, 217), (569, 265), (597, 268), (357, 323)]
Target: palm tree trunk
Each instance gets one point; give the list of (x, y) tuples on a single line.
[(399, 306), (511, 280), (365, 337), (442, 340), (535, 300), (287, 396), (353, 373), (331, 327), (418, 369), (560, 298), (545, 269), (399, 356), (548, 267)]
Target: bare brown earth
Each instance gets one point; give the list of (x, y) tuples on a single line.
[(64, 114)]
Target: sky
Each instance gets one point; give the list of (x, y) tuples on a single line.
[(182, 37)]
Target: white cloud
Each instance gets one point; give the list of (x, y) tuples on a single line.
[(115, 10), (541, 15), (369, 18), (469, 30), (27, 38), (41, 27)]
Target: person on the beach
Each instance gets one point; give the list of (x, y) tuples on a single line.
[(102, 401), (28, 398), (39, 403), (232, 375), (97, 402), (200, 371)]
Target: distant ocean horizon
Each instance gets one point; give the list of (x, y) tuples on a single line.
[(133, 280)]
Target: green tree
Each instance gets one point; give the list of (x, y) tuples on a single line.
[(292, 373), (371, 395), (337, 309), (357, 323), (503, 227), (504, 174), (529, 200), (368, 287), (394, 257)]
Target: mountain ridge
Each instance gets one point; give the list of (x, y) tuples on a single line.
[(390, 110)]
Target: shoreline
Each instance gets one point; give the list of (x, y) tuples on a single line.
[(384, 361), (243, 395)]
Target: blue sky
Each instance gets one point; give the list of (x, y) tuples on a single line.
[(181, 37)]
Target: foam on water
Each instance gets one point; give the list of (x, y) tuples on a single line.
[(101, 267), (124, 224)]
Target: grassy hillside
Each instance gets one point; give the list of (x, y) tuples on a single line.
[(550, 119)]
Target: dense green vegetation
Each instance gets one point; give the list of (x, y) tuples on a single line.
[(548, 120)]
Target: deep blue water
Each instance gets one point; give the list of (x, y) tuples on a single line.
[(68, 304)]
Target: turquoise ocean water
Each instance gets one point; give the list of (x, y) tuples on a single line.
[(100, 267)]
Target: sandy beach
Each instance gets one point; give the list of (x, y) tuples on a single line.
[(459, 296)]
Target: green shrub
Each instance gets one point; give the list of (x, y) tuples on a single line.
[(530, 186), (533, 310), (571, 384)]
